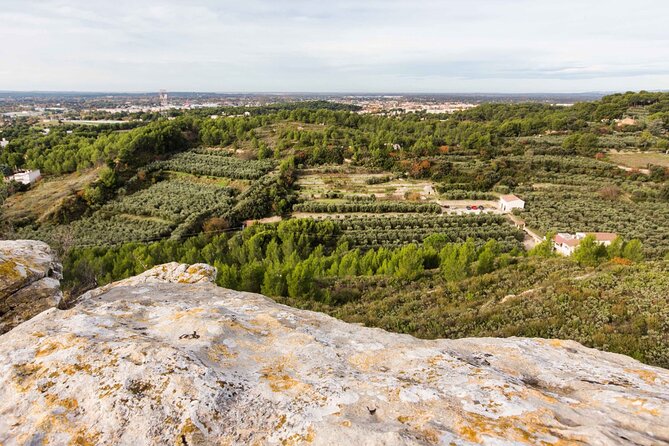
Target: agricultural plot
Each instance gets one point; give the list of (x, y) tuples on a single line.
[(639, 160), (215, 164), (112, 229), (172, 200), (571, 210), (389, 231), (372, 207), (382, 185), (150, 214), (546, 165)]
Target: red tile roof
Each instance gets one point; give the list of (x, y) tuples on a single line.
[(604, 236)]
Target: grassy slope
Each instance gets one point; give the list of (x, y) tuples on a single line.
[(46, 195), (640, 160)]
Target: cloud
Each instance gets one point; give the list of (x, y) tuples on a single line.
[(345, 45)]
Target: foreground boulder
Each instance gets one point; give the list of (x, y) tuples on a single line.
[(29, 281), (145, 362)]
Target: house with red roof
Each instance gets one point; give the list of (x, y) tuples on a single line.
[(566, 244)]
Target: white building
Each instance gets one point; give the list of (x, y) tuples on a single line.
[(3, 143), (25, 176), (509, 202), (566, 244)]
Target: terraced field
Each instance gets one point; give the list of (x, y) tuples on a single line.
[(397, 230), (215, 164), (639, 160)]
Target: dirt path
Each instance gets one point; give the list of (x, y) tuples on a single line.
[(633, 169)]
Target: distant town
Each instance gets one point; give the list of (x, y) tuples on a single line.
[(116, 107)]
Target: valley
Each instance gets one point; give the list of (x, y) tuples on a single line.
[(392, 221)]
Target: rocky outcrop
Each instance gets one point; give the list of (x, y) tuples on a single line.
[(29, 281), (147, 362)]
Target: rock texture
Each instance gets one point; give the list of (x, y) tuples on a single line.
[(29, 281), (144, 362)]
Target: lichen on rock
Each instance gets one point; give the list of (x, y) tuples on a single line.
[(154, 361), (29, 281)]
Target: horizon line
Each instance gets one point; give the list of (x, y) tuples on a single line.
[(250, 92)]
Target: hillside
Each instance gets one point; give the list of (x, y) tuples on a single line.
[(169, 358), (618, 308), (393, 220)]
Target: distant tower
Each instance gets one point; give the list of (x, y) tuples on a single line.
[(163, 98)]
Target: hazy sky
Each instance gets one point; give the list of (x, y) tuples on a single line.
[(334, 46)]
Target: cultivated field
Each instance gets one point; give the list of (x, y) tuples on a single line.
[(317, 183), (639, 160)]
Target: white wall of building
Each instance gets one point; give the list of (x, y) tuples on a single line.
[(26, 177), (507, 206)]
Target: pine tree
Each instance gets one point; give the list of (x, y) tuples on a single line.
[(633, 251)]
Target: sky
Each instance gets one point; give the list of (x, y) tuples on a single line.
[(409, 46)]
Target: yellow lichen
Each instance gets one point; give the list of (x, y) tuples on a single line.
[(68, 403), (296, 439), (218, 351), (107, 390), (48, 348), (278, 378), (83, 438), (190, 434), (26, 374), (646, 375), (189, 312), (9, 271), (282, 421)]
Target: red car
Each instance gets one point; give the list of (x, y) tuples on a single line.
[(474, 208)]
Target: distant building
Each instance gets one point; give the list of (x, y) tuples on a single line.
[(509, 202), (566, 244), (517, 222), (25, 176), (3, 143), (274, 219), (627, 121)]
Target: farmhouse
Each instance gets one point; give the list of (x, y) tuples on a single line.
[(25, 176), (274, 219), (566, 244), (509, 202)]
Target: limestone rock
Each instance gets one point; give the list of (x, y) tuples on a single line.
[(151, 363), (172, 272), (29, 281)]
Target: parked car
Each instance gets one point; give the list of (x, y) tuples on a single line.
[(469, 208), (481, 207), (474, 208)]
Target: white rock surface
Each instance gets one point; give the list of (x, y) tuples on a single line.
[(151, 363), (29, 281)]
